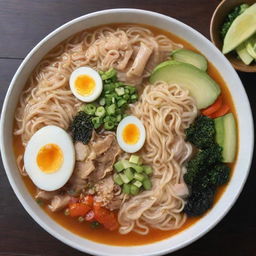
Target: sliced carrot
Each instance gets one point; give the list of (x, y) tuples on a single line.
[(213, 108), (221, 112), (104, 216), (78, 209)]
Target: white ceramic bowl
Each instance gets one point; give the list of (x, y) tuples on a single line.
[(239, 96)]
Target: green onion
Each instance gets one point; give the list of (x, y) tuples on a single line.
[(117, 179), (108, 74), (97, 122), (95, 224), (126, 97), (119, 91), (67, 212), (134, 97), (81, 219), (121, 102), (126, 189), (111, 109), (100, 111), (39, 201), (89, 109), (119, 118), (102, 101), (134, 190), (109, 125)]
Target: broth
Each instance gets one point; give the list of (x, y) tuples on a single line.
[(102, 235)]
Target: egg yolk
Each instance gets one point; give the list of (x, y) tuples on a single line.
[(131, 134), (50, 158), (84, 85)]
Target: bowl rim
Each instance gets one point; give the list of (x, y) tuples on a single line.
[(51, 230)]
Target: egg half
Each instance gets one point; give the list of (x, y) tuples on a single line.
[(131, 134), (86, 84), (49, 158)]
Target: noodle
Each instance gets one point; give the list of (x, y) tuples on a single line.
[(165, 110)]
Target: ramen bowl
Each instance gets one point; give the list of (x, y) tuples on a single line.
[(244, 122)]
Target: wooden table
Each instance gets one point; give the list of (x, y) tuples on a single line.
[(22, 24)]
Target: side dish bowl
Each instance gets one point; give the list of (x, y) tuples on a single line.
[(245, 126), (218, 17)]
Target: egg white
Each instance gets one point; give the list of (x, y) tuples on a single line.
[(91, 73), (49, 135), (119, 134)]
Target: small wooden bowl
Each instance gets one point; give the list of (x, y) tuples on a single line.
[(217, 20)]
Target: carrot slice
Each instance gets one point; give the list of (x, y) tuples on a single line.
[(105, 217), (220, 112), (213, 108), (78, 209)]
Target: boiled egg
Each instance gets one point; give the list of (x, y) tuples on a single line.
[(49, 158), (86, 84), (131, 134)]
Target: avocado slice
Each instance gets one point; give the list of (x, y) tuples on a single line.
[(242, 28), (251, 46), (226, 136), (200, 85), (190, 57), (243, 54)]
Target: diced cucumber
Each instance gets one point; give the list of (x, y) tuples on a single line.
[(147, 184), (226, 136), (147, 169), (117, 179), (124, 178), (136, 167), (190, 57), (129, 174), (134, 159), (137, 183), (134, 190), (127, 189), (119, 166), (139, 176)]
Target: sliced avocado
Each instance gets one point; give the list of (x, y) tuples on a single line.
[(200, 85), (251, 46), (243, 54), (226, 136), (242, 28), (190, 57)]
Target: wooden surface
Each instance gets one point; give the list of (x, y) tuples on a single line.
[(22, 24)]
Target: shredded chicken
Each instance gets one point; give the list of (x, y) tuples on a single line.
[(181, 189), (102, 144), (84, 169), (45, 195), (59, 202)]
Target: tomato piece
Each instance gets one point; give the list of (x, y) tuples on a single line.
[(213, 108), (88, 200), (90, 216), (105, 217), (221, 112), (78, 209)]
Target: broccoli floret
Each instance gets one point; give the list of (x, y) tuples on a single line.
[(231, 17), (202, 132), (202, 161), (217, 175), (199, 201), (82, 127)]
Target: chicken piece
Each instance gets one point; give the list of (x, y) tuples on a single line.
[(59, 202), (181, 189), (140, 61), (84, 169), (45, 195), (102, 144), (82, 151)]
